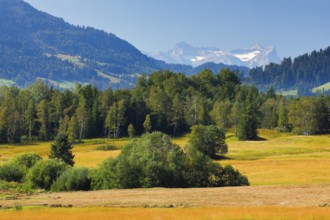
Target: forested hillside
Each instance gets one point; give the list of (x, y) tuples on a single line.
[(35, 45), (164, 101), (304, 73)]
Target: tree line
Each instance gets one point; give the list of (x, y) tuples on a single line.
[(163, 101), (303, 73)]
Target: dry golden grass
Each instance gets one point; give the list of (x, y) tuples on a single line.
[(251, 196), (85, 153), (290, 177), (281, 159), (167, 214)]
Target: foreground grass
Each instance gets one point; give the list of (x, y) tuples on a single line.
[(162, 213)]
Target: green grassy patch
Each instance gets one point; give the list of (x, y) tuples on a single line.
[(293, 92), (72, 59), (107, 147), (110, 78), (6, 82), (323, 88)]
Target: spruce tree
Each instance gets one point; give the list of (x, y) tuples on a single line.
[(61, 149)]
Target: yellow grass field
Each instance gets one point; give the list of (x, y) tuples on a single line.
[(248, 213), (281, 159), (289, 176)]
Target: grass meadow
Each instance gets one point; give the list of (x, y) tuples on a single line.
[(278, 160), (242, 213)]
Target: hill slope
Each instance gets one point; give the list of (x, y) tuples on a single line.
[(303, 73), (35, 45)]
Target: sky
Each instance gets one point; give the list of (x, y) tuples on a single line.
[(293, 27)]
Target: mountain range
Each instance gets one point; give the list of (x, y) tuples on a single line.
[(184, 53), (35, 45)]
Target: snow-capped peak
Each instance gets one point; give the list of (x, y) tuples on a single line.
[(247, 56), (183, 53)]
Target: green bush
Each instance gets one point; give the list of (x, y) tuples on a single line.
[(11, 172), (45, 172), (107, 147), (231, 177), (27, 160), (153, 161), (27, 140), (210, 140), (6, 186), (73, 179)]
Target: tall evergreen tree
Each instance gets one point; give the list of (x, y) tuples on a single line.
[(62, 149)]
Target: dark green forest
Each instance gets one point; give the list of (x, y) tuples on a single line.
[(303, 73), (163, 101)]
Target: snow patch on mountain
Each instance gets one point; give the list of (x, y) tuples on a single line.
[(253, 56)]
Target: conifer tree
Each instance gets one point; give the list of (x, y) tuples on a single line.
[(61, 149)]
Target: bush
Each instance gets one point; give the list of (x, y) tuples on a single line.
[(210, 140), (151, 161), (27, 140), (198, 168), (6, 186), (11, 172), (73, 179), (45, 172), (27, 160), (231, 177), (106, 147)]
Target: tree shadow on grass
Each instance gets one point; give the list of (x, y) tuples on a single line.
[(221, 157), (260, 139)]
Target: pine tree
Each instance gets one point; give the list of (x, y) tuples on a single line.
[(61, 149)]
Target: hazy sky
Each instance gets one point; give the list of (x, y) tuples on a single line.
[(294, 27)]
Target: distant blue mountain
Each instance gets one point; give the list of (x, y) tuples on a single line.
[(35, 45)]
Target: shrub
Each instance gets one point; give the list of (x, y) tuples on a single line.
[(72, 179), (28, 140), (6, 186), (198, 168), (231, 177), (106, 147), (210, 140), (11, 172), (151, 161), (27, 160), (45, 172)]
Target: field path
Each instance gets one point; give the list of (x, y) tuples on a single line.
[(252, 196)]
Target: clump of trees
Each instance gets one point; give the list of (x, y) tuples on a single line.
[(163, 101), (154, 161), (150, 161), (209, 140)]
